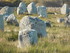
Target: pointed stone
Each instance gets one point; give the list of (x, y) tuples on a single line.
[(21, 8), (32, 8), (65, 9)]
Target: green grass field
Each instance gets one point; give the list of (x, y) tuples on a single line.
[(57, 40)]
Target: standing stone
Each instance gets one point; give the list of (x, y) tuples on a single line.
[(27, 37), (12, 20), (1, 23), (32, 8), (6, 10), (21, 8), (28, 22), (42, 11), (65, 9)]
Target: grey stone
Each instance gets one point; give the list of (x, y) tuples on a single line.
[(31, 8), (6, 10), (5, 17), (27, 37), (42, 11), (1, 23), (65, 9), (28, 22), (21, 8), (12, 20)]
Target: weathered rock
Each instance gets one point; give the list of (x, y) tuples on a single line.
[(28, 22), (21, 8), (60, 20), (31, 8), (27, 37), (42, 11), (1, 23), (6, 10), (12, 20), (65, 9)]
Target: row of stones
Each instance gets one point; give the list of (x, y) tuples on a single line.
[(32, 9)]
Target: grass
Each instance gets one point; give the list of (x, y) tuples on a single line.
[(57, 40), (5, 47)]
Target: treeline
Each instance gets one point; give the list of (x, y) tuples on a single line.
[(35, 0), (11, 3), (51, 3)]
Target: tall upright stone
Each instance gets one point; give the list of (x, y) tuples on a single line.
[(21, 8), (27, 37), (35, 23), (65, 9), (31, 8), (1, 23), (42, 11)]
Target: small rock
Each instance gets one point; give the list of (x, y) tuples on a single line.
[(12, 20)]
